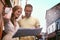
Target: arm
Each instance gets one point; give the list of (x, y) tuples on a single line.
[(37, 24)]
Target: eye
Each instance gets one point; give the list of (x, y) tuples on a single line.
[(29, 10)]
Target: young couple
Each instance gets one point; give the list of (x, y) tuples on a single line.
[(11, 25)]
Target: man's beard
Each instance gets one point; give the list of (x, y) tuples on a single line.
[(28, 15)]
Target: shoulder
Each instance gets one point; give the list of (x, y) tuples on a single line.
[(20, 20), (36, 19)]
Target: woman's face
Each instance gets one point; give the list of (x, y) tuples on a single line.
[(28, 11), (17, 13)]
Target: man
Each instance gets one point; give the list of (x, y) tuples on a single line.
[(28, 22)]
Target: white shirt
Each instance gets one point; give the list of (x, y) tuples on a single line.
[(9, 27)]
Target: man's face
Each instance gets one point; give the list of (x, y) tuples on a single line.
[(28, 11)]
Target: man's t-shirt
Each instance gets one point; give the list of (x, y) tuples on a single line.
[(28, 23)]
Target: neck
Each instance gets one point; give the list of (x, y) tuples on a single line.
[(27, 16)]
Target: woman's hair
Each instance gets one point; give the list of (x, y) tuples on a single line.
[(15, 8)]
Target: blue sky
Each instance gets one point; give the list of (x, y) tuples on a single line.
[(39, 9)]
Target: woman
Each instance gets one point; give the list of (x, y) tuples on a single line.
[(11, 25)]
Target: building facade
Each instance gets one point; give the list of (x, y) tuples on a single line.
[(53, 22)]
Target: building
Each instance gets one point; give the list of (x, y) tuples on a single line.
[(53, 22)]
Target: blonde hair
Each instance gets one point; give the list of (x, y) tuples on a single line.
[(14, 9)]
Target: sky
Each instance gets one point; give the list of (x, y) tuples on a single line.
[(39, 9)]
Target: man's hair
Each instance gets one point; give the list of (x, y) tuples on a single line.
[(28, 5)]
